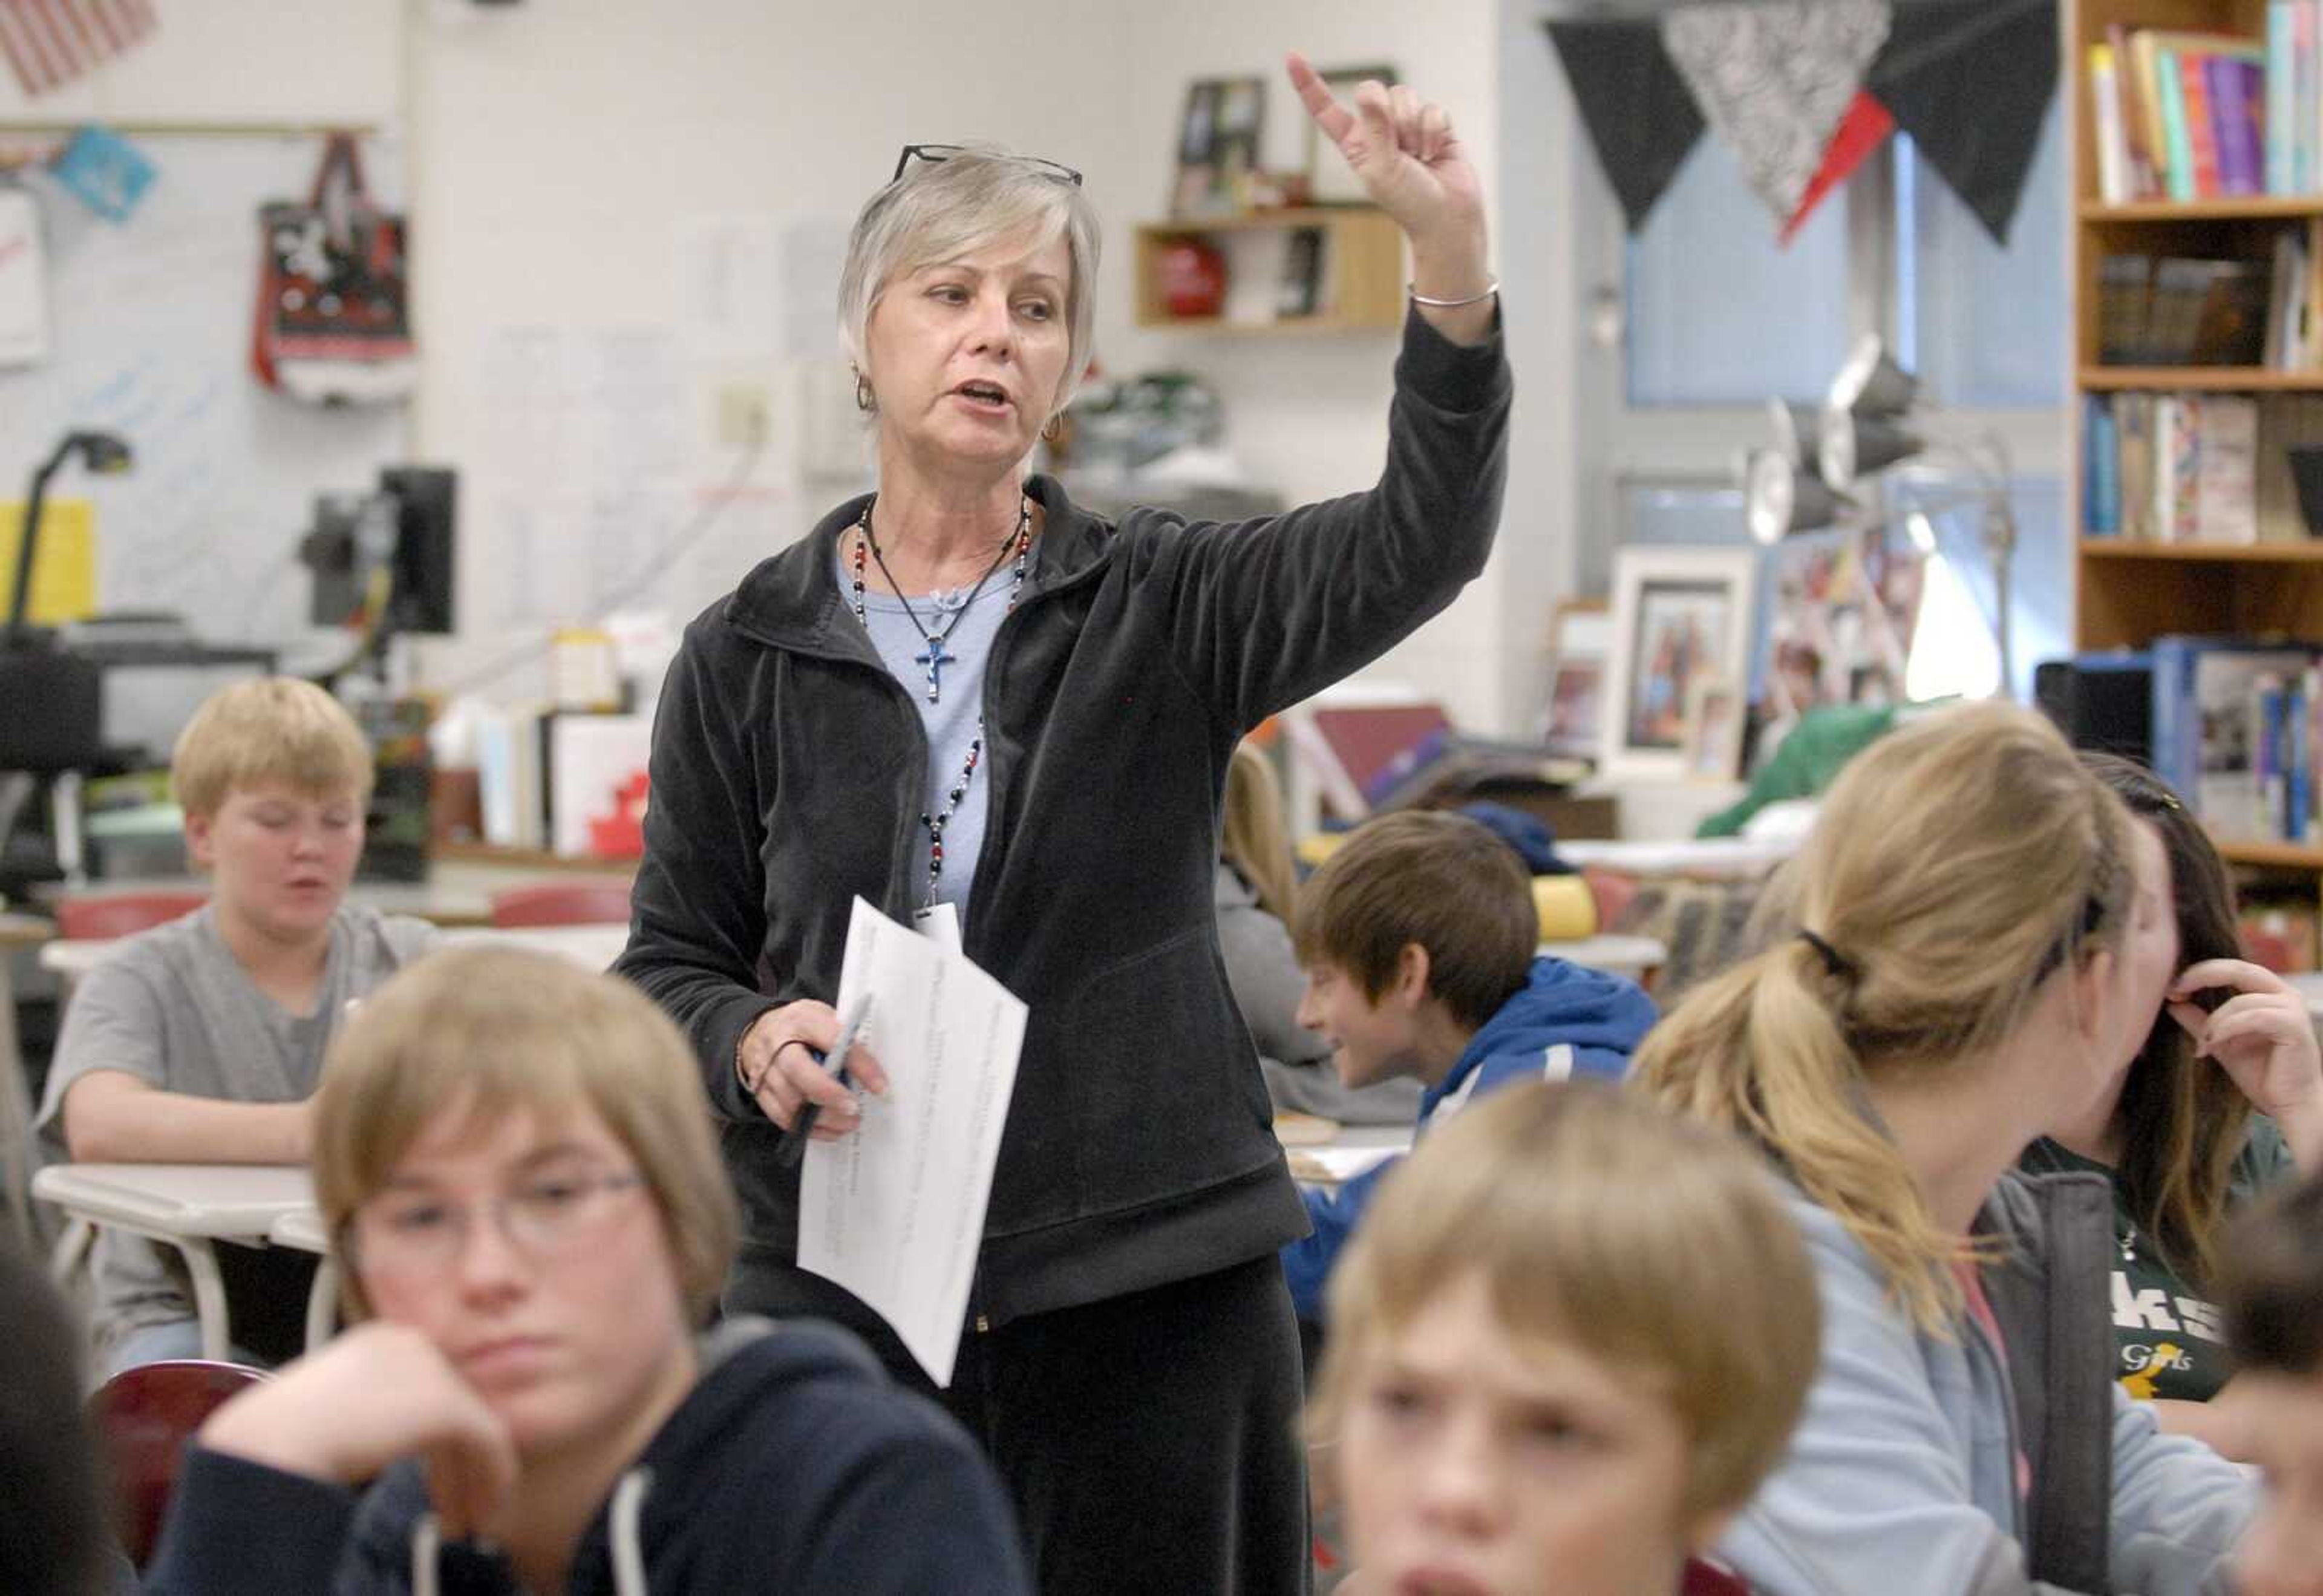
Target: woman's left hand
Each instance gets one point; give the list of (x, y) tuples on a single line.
[(1415, 168), (2262, 1037)]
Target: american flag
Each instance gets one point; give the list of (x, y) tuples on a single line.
[(50, 43)]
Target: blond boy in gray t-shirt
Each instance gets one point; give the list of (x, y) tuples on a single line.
[(200, 1042)]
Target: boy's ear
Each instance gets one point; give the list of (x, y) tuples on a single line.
[(198, 839), (1409, 988)]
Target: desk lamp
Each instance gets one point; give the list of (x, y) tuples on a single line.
[(1871, 420), (54, 697), (103, 453)]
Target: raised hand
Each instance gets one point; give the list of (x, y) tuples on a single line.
[(1416, 168), (379, 1393), (2262, 1037)]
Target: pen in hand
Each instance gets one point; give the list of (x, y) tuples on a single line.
[(792, 1147)]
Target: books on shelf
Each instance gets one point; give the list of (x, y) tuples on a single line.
[(2178, 310), (2185, 467), (2234, 732), (2184, 116)]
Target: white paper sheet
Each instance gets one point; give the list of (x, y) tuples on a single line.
[(894, 1213)]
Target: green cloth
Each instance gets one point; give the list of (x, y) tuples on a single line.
[(1824, 740), (2167, 1339)]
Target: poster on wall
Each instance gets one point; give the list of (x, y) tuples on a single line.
[(1845, 611), (23, 282)]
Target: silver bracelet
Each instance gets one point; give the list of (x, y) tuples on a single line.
[(1420, 299)]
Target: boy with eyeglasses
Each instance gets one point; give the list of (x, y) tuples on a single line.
[(198, 1041), (516, 1168)]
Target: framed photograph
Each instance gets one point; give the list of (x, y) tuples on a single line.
[(1714, 731), (1330, 180), (1218, 145), (1681, 617), (1572, 708)]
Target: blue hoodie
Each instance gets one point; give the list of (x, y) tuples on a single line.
[(1566, 1020)]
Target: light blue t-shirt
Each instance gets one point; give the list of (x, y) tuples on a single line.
[(950, 722)]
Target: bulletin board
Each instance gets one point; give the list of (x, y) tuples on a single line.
[(149, 337)]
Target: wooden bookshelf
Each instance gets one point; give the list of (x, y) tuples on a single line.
[(2272, 855), (2245, 553), (1361, 284), (2245, 207), (2199, 380), (2126, 593)]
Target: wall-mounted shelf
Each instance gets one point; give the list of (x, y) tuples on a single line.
[(1357, 283)]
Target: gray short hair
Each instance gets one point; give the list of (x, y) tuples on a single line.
[(942, 209)]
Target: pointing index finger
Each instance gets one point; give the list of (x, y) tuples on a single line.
[(1333, 118)]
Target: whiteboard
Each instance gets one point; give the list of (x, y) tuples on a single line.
[(149, 337)]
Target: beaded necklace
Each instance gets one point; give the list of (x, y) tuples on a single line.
[(935, 659), (933, 656)]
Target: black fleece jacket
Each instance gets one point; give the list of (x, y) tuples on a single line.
[(788, 770), (793, 1466)]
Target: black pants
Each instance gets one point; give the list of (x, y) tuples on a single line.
[(1149, 1442)]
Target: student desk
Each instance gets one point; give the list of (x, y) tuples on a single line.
[(594, 947), (457, 893), (1634, 957), (1350, 1152), (189, 1206), (303, 1231)]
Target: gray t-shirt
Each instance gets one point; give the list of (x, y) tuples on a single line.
[(173, 1008)]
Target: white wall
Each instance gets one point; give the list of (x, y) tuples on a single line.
[(240, 61), (1308, 416), (558, 149)]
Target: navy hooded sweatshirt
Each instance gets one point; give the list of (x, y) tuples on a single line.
[(1566, 1021), (794, 1466)]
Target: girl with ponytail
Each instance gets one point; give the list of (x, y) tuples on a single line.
[(1976, 936)]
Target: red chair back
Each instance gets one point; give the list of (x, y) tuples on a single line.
[(119, 914), (592, 901), (1707, 1579), (143, 1417)]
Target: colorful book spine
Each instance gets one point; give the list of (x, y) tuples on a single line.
[(2310, 693), (2306, 93), (2282, 33), (2145, 159), (2177, 150), (2297, 759), (2102, 482), (2113, 147), (2267, 757), (2237, 98), (2201, 119)]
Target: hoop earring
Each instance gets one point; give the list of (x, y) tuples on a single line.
[(865, 401), (1055, 429)]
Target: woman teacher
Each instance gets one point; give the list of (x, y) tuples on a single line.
[(964, 698)]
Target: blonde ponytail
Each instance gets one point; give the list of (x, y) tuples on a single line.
[(1956, 864)]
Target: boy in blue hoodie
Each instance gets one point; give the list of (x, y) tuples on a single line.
[(1419, 937)]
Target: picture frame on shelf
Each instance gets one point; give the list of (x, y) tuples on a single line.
[(1573, 706), (1713, 730), (1681, 617), (1218, 146), (1330, 180)]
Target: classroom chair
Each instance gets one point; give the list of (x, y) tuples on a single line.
[(1707, 1579), (100, 916), (143, 1417), (597, 900)]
